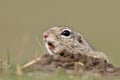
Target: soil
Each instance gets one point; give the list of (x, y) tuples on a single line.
[(73, 63)]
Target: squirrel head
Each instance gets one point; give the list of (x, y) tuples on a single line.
[(59, 38)]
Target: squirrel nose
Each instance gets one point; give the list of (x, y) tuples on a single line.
[(45, 35)]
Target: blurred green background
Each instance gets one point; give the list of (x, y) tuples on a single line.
[(21, 21)]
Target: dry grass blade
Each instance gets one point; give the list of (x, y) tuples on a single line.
[(40, 45), (31, 63), (18, 70)]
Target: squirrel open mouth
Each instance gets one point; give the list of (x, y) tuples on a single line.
[(51, 46)]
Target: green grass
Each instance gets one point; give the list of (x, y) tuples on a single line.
[(50, 76), (46, 76)]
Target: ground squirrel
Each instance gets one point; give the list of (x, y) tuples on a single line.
[(61, 38)]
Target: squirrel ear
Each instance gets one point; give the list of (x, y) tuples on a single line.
[(84, 42)]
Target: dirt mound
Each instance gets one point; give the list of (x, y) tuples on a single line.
[(74, 63)]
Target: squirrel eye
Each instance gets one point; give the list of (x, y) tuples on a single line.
[(66, 33)]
